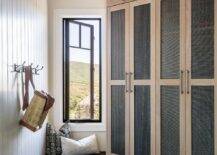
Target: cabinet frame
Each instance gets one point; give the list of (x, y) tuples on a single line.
[(117, 2)]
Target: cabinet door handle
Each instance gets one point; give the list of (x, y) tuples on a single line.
[(188, 81), (130, 82), (182, 83), (126, 82)]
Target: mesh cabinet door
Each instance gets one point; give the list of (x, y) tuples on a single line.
[(201, 78), (170, 77), (142, 64), (142, 71), (118, 73), (118, 104)]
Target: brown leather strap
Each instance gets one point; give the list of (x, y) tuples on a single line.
[(28, 78), (49, 103)]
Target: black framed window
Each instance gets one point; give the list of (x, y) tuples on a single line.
[(82, 70)]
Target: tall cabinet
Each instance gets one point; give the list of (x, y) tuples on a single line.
[(132, 78), (162, 81)]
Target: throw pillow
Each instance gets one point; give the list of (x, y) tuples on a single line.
[(53, 141), (65, 130), (84, 146)]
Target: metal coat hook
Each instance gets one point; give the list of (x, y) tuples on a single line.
[(21, 68), (37, 69), (18, 68)]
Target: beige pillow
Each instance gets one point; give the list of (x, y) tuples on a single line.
[(86, 145)]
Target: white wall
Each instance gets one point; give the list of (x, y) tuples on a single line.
[(23, 37), (72, 8)]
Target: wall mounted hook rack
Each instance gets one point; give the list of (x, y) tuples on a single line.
[(21, 68)]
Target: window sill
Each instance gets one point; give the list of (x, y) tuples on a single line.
[(85, 127)]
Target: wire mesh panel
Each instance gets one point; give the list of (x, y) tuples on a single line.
[(202, 120), (118, 120), (118, 45), (142, 122), (202, 43), (170, 124), (142, 41), (170, 39)]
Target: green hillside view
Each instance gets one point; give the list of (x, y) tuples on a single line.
[(80, 91)]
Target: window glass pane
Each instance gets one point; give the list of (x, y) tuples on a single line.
[(96, 90), (79, 84), (96, 25), (74, 34), (85, 37), (96, 83)]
